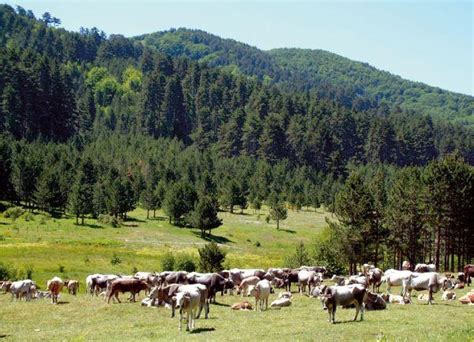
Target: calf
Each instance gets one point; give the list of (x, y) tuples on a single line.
[(72, 286), (334, 296), (55, 286), (244, 306), (261, 292), (246, 283), (394, 299), (467, 299), (448, 295), (133, 286), (187, 302)]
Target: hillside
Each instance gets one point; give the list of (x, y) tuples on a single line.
[(334, 77)]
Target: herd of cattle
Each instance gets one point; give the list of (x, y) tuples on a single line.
[(190, 293)]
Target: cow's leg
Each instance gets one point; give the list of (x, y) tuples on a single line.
[(357, 307), (117, 297), (333, 309), (188, 319), (388, 288), (180, 321), (430, 296), (362, 309)]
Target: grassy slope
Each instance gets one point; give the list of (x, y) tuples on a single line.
[(85, 250)]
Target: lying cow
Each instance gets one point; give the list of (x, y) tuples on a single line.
[(431, 281), (188, 302), (134, 286), (334, 296), (355, 279), (394, 299), (448, 295), (374, 301), (261, 292), (244, 306), (467, 298), (55, 286), (281, 302)]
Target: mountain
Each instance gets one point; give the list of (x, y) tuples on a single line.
[(353, 84)]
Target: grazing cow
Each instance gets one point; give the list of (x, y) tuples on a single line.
[(308, 278), (90, 283), (468, 273), (244, 306), (188, 302), (375, 278), (448, 295), (72, 286), (374, 301), (468, 298), (279, 283), (281, 302), (151, 278), (261, 292), (21, 288), (214, 283), (292, 277), (6, 286), (119, 285), (423, 268), (430, 281), (366, 268), (395, 278), (97, 283), (406, 266), (334, 296), (236, 275), (246, 283), (394, 299), (55, 286), (180, 277)]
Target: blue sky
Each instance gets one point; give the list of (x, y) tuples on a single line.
[(426, 41)]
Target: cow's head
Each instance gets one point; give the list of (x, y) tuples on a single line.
[(182, 299), (228, 284), (253, 291), (447, 284), (328, 301)]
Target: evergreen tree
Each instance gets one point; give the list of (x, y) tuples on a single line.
[(82, 191), (204, 217)]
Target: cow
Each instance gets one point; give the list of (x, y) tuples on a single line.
[(188, 302), (281, 302), (468, 273), (406, 266), (72, 286), (308, 278), (54, 286), (292, 277), (423, 268), (459, 286), (261, 292), (151, 278), (180, 277), (236, 275), (246, 283), (214, 283), (317, 269), (430, 281), (6, 286), (394, 299), (366, 268), (395, 278), (448, 295), (338, 280), (244, 306), (21, 288), (119, 285), (334, 296), (96, 283), (374, 278), (355, 279), (285, 294), (374, 301)]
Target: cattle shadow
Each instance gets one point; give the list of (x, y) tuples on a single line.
[(4, 223), (213, 238), (201, 330), (221, 304), (89, 225), (158, 218), (287, 230), (62, 303), (133, 219), (348, 321), (3, 335)]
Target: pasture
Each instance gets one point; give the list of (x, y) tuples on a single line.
[(59, 247)]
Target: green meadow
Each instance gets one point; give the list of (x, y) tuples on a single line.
[(59, 247)]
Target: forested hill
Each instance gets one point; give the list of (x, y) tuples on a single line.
[(334, 77)]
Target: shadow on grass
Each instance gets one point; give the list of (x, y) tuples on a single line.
[(3, 335), (215, 238), (201, 330), (287, 230), (221, 304), (133, 219), (89, 225), (4, 223), (158, 218), (348, 321), (62, 303)]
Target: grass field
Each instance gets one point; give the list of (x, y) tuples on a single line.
[(59, 245)]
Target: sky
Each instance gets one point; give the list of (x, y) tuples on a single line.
[(427, 41)]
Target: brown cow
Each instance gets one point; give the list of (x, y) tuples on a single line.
[(468, 273), (55, 286), (468, 298), (374, 301), (244, 306), (72, 286), (133, 286)]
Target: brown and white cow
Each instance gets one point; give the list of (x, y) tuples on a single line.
[(72, 286), (245, 284), (374, 301), (335, 296), (134, 286), (244, 306), (55, 286)]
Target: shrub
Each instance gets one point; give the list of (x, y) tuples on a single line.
[(168, 262), (115, 260), (44, 217), (29, 272), (13, 213), (109, 220), (134, 269), (258, 244), (185, 262), (7, 272), (211, 257), (61, 268), (28, 217), (299, 258)]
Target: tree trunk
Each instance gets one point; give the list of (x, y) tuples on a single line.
[(278, 224), (438, 246), (231, 208), (82, 219), (77, 218), (147, 214), (154, 213)]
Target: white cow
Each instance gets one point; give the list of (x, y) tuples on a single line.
[(355, 279), (21, 288), (395, 278), (281, 302), (90, 281), (308, 278), (430, 281), (261, 292), (422, 268), (188, 303), (245, 285)]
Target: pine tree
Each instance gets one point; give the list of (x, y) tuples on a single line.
[(82, 192), (204, 217)]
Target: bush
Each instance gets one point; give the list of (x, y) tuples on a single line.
[(168, 262), (299, 258), (61, 268), (330, 252), (185, 262), (7, 272), (211, 257), (134, 269), (110, 220), (13, 213), (115, 260), (258, 244), (28, 217), (44, 217), (28, 272)]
